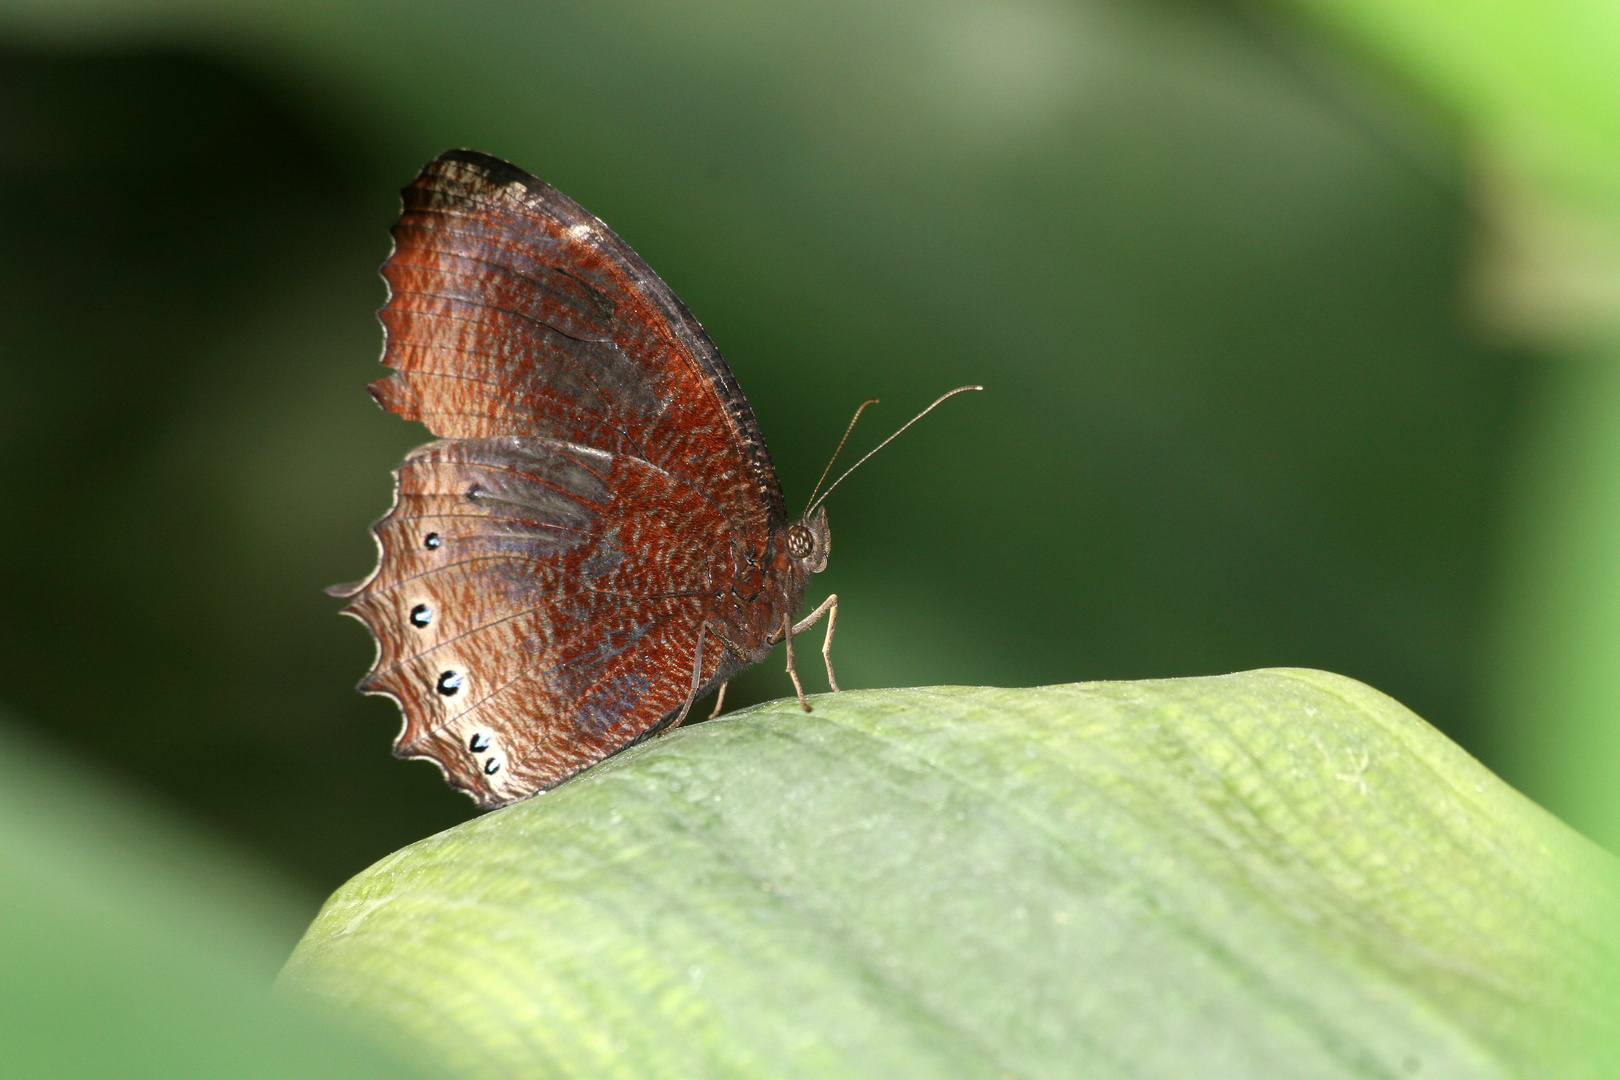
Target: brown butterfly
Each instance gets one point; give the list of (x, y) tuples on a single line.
[(598, 537)]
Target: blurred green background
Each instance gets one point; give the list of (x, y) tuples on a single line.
[(1296, 346)]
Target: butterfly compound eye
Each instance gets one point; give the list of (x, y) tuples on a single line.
[(799, 542)]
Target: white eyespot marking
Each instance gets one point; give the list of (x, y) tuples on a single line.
[(449, 683), (421, 615), (492, 766), (431, 541), (478, 743)]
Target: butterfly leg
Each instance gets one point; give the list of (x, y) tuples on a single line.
[(697, 679), (798, 688), (720, 699), (829, 607)]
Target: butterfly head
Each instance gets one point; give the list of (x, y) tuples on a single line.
[(809, 541)]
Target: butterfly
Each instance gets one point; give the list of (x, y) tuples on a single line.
[(597, 538)]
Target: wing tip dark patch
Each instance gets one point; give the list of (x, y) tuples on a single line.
[(499, 170)]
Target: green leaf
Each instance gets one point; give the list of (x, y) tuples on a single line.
[(1272, 874)]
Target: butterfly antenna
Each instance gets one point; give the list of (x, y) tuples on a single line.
[(841, 442), (881, 445)]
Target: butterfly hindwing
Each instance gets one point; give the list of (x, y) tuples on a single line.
[(515, 574)]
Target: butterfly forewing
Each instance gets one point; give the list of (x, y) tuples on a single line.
[(539, 593), (514, 311)]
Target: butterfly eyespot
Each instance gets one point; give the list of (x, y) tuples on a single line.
[(431, 541), (799, 542), (492, 766), (478, 743), (421, 615), (449, 683), (475, 492)]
